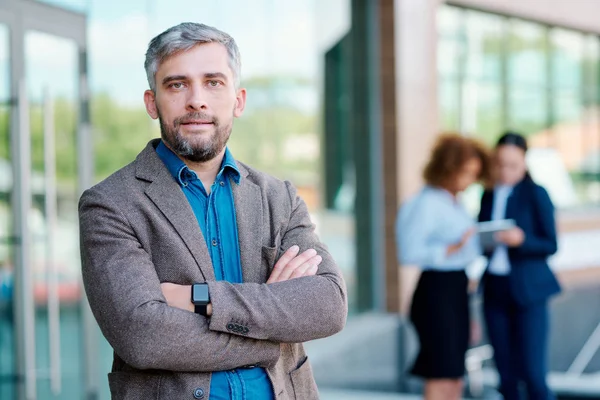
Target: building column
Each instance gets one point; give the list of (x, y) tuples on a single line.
[(416, 104)]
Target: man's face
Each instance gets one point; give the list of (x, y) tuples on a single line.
[(196, 101)]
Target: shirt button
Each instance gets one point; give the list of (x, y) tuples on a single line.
[(214, 242), (222, 183)]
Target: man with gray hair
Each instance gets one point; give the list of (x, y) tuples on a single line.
[(204, 274)]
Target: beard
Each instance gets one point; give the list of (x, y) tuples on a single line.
[(196, 148)]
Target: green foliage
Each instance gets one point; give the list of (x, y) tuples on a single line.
[(120, 133)]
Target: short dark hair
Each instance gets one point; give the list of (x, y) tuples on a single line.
[(450, 154), (514, 139)]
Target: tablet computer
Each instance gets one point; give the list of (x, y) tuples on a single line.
[(487, 230)]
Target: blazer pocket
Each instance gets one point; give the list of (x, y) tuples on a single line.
[(269, 256), (126, 385), (303, 382)]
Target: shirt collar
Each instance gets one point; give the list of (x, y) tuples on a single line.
[(181, 173)]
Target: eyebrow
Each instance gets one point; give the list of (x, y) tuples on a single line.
[(172, 78), (212, 75), (208, 75)]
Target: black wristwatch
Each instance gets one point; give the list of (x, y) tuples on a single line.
[(200, 298)]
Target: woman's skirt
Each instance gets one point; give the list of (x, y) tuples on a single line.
[(440, 314)]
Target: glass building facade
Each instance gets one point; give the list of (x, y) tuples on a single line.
[(338, 103), (76, 115), (499, 73)]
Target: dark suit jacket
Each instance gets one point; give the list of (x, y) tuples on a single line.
[(138, 230), (530, 206)]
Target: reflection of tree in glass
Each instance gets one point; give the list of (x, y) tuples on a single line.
[(274, 119), (273, 116)]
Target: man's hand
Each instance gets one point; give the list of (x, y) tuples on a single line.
[(291, 265)]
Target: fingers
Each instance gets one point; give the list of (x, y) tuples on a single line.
[(293, 265), (307, 268), (298, 261), (288, 256), (468, 234)]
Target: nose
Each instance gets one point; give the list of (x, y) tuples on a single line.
[(196, 100)]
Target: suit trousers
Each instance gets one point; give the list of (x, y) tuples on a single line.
[(519, 336)]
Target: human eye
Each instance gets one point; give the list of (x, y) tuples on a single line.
[(176, 85), (214, 83)]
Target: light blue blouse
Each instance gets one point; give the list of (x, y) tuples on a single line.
[(427, 224)]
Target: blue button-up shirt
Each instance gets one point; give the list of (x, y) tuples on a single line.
[(215, 213)]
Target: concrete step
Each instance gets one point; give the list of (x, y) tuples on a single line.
[(332, 394)]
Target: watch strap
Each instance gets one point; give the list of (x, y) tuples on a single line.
[(201, 309)]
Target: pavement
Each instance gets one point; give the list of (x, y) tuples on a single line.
[(330, 394)]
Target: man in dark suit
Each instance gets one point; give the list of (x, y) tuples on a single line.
[(204, 274)]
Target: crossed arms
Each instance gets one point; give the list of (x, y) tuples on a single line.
[(296, 305)]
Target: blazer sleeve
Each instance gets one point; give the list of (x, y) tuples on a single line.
[(294, 311), (541, 242), (124, 293)]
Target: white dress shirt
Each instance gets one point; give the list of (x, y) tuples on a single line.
[(499, 262)]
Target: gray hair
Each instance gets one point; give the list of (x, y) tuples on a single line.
[(184, 37)]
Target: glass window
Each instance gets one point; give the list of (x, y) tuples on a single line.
[(531, 78), (80, 6), (450, 53), (449, 99), (51, 68), (527, 109), (567, 59), (483, 116), (449, 21), (485, 41), (7, 359), (527, 53)]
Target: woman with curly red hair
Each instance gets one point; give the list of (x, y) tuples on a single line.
[(435, 232)]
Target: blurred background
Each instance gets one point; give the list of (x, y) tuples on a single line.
[(345, 98)]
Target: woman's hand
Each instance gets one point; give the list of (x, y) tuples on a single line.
[(453, 248), (513, 237)]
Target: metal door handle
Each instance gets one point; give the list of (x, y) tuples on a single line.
[(51, 232), (25, 304)]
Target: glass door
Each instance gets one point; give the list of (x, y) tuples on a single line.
[(7, 340), (51, 65), (46, 330)]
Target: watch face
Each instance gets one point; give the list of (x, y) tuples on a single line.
[(200, 294)]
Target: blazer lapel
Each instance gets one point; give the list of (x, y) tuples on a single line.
[(248, 210), (171, 201), (513, 201), (486, 206)]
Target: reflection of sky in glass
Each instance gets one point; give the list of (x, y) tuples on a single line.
[(81, 6), (449, 20), (275, 37), (484, 38), (4, 65), (50, 63), (567, 54)]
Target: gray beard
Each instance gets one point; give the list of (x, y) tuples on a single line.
[(172, 136)]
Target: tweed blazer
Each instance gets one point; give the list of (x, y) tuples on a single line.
[(138, 231)]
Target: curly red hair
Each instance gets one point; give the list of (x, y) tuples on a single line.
[(449, 156)]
